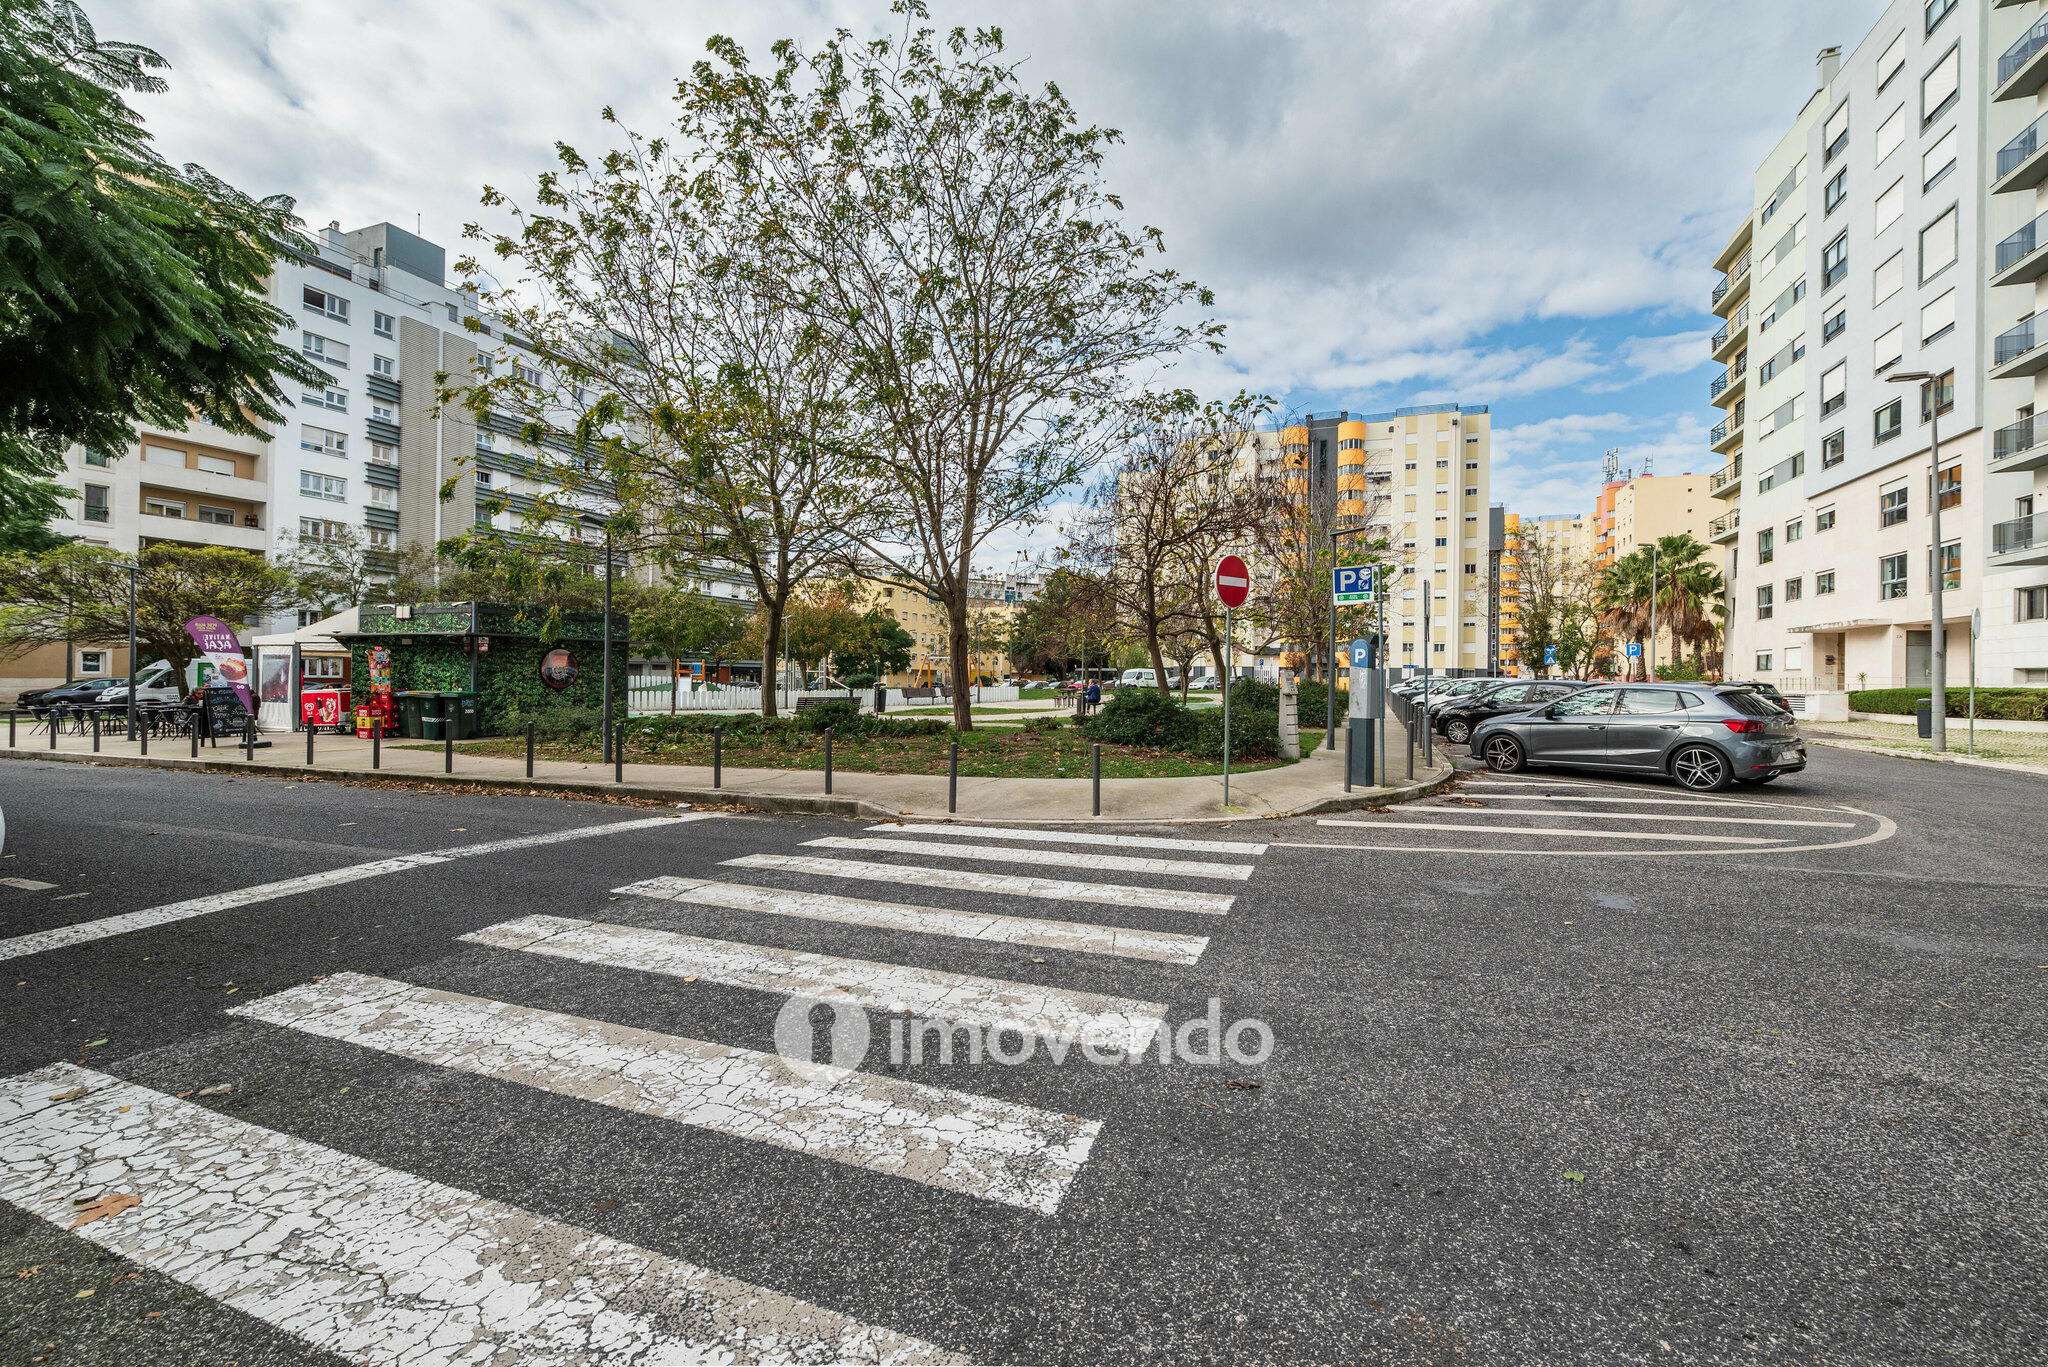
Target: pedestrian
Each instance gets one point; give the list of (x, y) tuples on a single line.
[(1094, 695)]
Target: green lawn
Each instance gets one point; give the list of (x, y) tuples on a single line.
[(983, 754)]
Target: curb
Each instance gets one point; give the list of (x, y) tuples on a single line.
[(2035, 771), (820, 805)]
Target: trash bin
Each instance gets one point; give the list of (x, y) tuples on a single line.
[(408, 704), (1924, 712), (459, 715), (432, 719)]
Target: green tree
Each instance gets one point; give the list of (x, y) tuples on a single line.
[(77, 593), (129, 290), (684, 623), (878, 644), (821, 623)]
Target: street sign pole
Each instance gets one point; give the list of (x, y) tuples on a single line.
[(1233, 585), (1381, 661), (1226, 708)]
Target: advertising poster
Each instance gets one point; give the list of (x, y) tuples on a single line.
[(223, 650)]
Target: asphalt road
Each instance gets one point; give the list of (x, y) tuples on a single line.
[(1545, 1085)]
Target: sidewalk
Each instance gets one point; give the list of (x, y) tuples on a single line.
[(1315, 784)]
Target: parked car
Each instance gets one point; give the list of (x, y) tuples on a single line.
[(155, 684), (1460, 715), (1767, 690), (1145, 678), (1705, 736), (79, 694), (1208, 683)]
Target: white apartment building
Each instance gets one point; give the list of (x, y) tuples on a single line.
[(1869, 252)]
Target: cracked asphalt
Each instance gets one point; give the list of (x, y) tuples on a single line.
[(1662, 1107)]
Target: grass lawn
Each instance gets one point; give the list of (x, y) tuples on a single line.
[(983, 754)]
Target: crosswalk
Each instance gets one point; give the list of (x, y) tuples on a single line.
[(380, 1265), (1513, 815)]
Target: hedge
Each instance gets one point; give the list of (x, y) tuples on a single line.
[(1143, 716), (840, 716), (2003, 704)]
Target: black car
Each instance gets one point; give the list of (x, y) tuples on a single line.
[(1460, 715), (1768, 692), (79, 694)]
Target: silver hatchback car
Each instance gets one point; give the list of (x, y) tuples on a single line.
[(1706, 736)]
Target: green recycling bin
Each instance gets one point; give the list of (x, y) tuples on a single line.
[(459, 714), (433, 720), (408, 714)]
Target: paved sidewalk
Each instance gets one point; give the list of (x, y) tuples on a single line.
[(1315, 784)]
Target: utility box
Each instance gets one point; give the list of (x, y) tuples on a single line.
[(1923, 712)]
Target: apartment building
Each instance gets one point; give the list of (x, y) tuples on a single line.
[(1869, 255), (1638, 510), (1507, 590)]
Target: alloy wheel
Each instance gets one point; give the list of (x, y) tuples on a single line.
[(1458, 732), (1503, 755), (1700, 768)]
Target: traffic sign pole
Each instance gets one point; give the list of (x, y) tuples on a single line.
[(1226, 709), (1233, 585)]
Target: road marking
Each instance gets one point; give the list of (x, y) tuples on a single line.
[(1108, 863), (996, 1150), (1886, 829), (1118, 1022), (1656, 801), (1554, 815), (1556, 830), (372, 1264), (1132, 842), (1156, 945), (63, 937), (1011, 885), (26, 884)]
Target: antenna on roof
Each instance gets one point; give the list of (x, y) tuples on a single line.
[(1646, 464), (1613, 462)]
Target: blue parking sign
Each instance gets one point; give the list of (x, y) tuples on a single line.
[(1635, 648), (1352, 584), (1361, 654)]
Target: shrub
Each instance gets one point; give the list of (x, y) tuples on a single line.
[(659, 730), (859, 681), (2003, 704), (1254, 732), (1254, 693), (839, 715), (556, 724), (1047, 723), (1141, 716)]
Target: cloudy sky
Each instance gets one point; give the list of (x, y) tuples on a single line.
[(1507, 202)]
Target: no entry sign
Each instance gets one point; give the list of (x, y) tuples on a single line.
[(1233, 581)]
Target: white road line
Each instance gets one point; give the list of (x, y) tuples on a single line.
[(1654, 801), (1108, 863), (1129, 842), (1886, 828), (981, 1146), (1010, 885), (1556, 830), (377, 1265), (1554, 815), (1156, 945), (1118, 1022), (85, 932)]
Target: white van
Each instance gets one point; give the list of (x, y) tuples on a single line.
[(155, 684), (1145, 678)]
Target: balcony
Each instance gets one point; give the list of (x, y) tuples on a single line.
[(2022, 541), (2017, 351), (2023, 70), (2018, 447), (1726, 527), (2019, 259), (1732, 290), (2023, 162), (1731, 338), (1726, 389), (1726, 482)]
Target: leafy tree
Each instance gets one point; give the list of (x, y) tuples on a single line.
[(821, 623), (77, 593), (1071, 623), (132, 291), (687, 622), (878, 644), (945, 232), (27, 532)]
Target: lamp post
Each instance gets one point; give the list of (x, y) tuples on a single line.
[(131, 645), (1650, 669), (1938, 628)]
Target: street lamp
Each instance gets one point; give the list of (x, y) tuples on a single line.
[(1938, 633), (132, 569), (1650, 669)]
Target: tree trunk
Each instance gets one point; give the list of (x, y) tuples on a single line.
[(771, 643), (963, 667), (675, 682)]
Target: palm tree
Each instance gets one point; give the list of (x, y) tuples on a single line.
[(1689, 594), (1623, 597)]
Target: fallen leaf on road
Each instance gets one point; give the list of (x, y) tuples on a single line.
[(692, 978), (158, 1314), (81, 1295), (182, 1095), (1574, 1176), (217, 1089), (94, 1044), (607, 1204), (1237, 1086), (231, 992), (102, 1208), (72, 1095)]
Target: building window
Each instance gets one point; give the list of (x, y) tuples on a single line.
[(1763, 602), (1889, 349), (322, 442), (331, 305), (1937, 10), (1835, 135), (1795, 530), (1938, 318), (1891, 506), (1950, 486), (1938, 395), (318, 529), (1763, 661), (383, 412), (216, 465), (381, 497), (324, 349), (1889, 278), (326, 397), (1823, 582), (96, 507), (1834, 262), (1891, 576), (1939, 87), (1937, 161), (1831, 326), (1831, 449), (385, 366), (1794, 590), (1891, 206), (99, 458), (383, 324), (1891, 134), (1951, 565), (1835, 192), (92, 661), (163, 507), (1892, 62), (1834, 388), (380, 454), (2031, 605), (1886, 422), (219, 517), (527, 374), (1824, 520), (332, 488), (1938, 246), (1766, 546), (383, 539)]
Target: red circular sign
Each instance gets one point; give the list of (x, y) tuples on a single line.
[(558, 669), (1233, 581)]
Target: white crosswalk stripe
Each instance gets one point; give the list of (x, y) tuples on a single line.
[(1066, 859), (1156, 945), (1110, 1022), (1055, 835), (1579, 833), (1011, 885), (377, 1265), (993, 1149)]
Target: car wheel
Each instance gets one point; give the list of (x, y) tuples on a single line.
[(1700, 769), (1504, 755), (1458, 732)]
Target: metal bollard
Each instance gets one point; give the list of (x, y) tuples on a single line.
[(1095, 760), (249, 741), (953, 778), (195, 737), (310, 729), (1409, 732), (447, 751), (52, 715), (10, 728), (376, 742), (718, 756), (619, 754), (95, 733), (828, 759), (140, 731), (529, 749)]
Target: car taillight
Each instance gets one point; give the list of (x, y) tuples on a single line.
[(1740, 726)]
